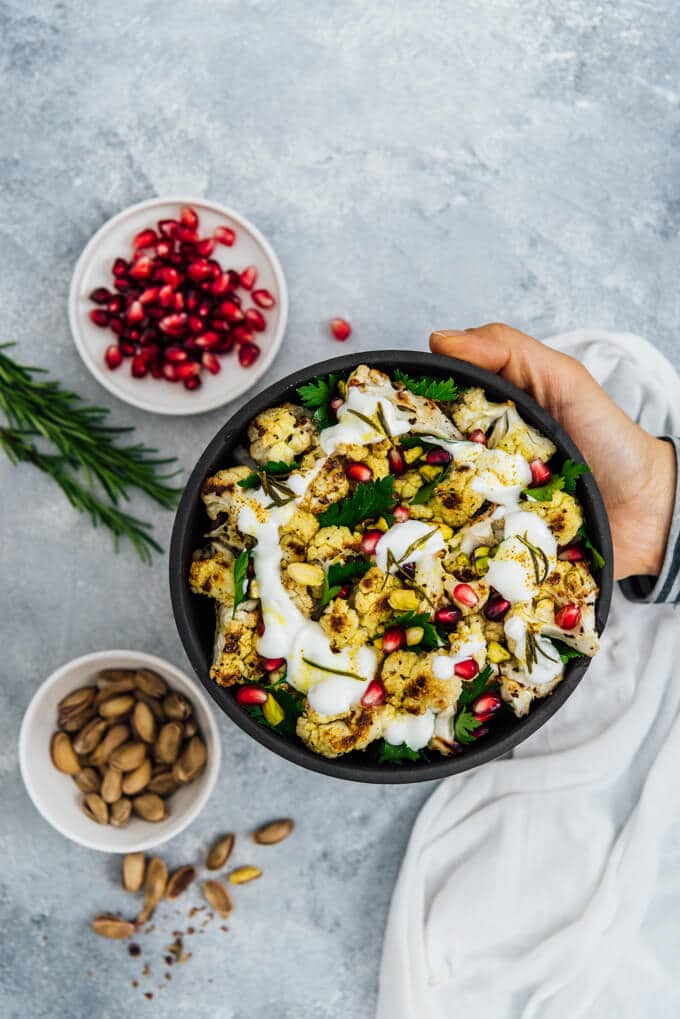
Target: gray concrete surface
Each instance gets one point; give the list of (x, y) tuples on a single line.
[(415, 166)]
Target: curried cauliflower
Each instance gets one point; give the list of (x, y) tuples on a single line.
[(329, 486), (475, 411), (281, 433), (235, 658), (333, 545), (455, 500), (562, 515), (212, 573), (371, 600), (341, 623), (295, 536), (569, 582), (332, 737), (514, 435), (412, 686)]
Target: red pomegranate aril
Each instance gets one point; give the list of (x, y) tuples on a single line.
[(113, 357), (224, 235), (358, 472), (163, 249), (225, 344), (477, 435), (100, 317), (249, 695), (169, 372), (340, 328), (127, 348), (135, 313), (540, 472), (215, 267), (370, 540), (173, 325), (175, 354), (248, 353), (206, 341), (155, 311), (438, 457), (193, 382), (166, 296), (572, 554), (142, 268), (139, 367), (205, 247), (256, 320), (448, 617), (261, 628), (195, 324), (263, 299), (240, 333), (167, 228), (336, 403), (115, 304), (272, 664), (198, 270), (465, 594), (156, 370), (178, 300), (467, 669), (231, 311), (209, 361), (568, 617), (189, 217), (393, 639), (344, 591), (187, 369), (120, 267), (395, 458), (150, 351), (486, 704), (374, 694), (247, 277), (220, 285), (116, 325), (148, 296), (100, 295), (170, 276), (204, 309), (144, 239), (496, 607), (401, 513)]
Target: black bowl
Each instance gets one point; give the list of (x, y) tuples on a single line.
[(194, 614)]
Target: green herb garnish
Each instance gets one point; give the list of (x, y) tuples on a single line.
[(539, 559), (566, 481), (317, 397), (277, 468), (424, 494), (240, 578), (473, 688), (565, 652), (464, 726), (390, 754), (269, 478), (596, 555), (339, 574), (369, 500), (250, 481), (444, 390), (532, 649), (292, 705), (432, 637)]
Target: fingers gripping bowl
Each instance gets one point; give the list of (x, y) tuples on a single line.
[(421, 575)]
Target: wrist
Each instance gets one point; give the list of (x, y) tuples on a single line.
[(660, 503)]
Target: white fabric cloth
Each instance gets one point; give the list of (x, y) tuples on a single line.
[(526, 883)]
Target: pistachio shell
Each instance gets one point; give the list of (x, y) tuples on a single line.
[(116, 707), (63, 755), (162, 783), (111, 789), (190, 728), (119, 812), (242, 875), (75, 703), (108, 926), (220, 852), (150, 683), (123, 686), (150, 807), (191, 762), (144, 722), (95, 808), (74, 723), (132, 871), (115, 737), (176, 706), (138, 779), (218, 897), (109, 677), (169, 742), (154, 887), (128, 757), (179, 881), (88, 780), (275, 831), (155, 706), (90, 737)]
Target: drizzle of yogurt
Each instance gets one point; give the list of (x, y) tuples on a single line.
[(354, 429), (414, 730), (443, 666), (427, 539), (511, 571), (548, 665)]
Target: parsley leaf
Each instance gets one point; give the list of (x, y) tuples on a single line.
[(338, 574), (566, 481), (391, 754), (369, 500), (571, 472), (596, 555), (432, 638), (471, 690), (434, 389), (464, 726), (317, 396), (278, 467), (565, 652), (250, 481), (240, 578), (292, 707)]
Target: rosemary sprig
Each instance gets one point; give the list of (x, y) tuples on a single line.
[(537, 555), (334, 672), (533, 649)]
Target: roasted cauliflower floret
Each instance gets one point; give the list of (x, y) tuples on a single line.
[(408, 485), (235, 658), (296, 535), (222, 494), (569, 582), (374, 456), (512, 434), (341, 622), (281, 433), (455, 500), (329, 486), (372, 600), (212, 573), (562, 515), (332, 737), (518, 697), (474, 411), (333, 545), (412, 686)]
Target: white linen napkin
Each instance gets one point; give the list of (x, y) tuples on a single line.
[(526, 883)]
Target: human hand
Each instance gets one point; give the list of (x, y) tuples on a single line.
[(634, 470)]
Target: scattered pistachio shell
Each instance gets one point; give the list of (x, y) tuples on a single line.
[(275, 831), (132, 871), (242, 875), (128, 756), (154, 887), (115, 737), (95, 808), (138, 779), (150, 683), (88, 780), (112, 784), (176, 706), (218, 897), (119, 812), (144, 722), (150, 807), (220, 852), (108, 926), (64, 756), (191, 762), (89, 737), (116, 707), (169, 742), (179, 881)]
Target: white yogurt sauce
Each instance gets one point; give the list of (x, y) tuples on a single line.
[(511, 571), (354, 429), (534, 528), (443, 665), (548, 665), (502, 476), (480, 533), (414, 730), (400, 537)]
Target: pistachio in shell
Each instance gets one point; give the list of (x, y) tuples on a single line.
[(90, 737), (88, 780), (119, 689), (150, 683), (138, 779), (64, 757), (116, 707), (74, 723), (74, 702), (176, 706), (155, 882), (218, 896), (179, 881), (191, 762), (275, 831), (132, 872), (242, 875), (119, 812), (128, 757), (169, 742), (95, 808), (110, 677), (220, 852), (190, 728), (115, 737), (150, 807), (108, 926), (112, 786), (155, 706), (162, 783), (144, 722)]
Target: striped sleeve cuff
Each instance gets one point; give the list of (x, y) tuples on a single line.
[(665, 587)]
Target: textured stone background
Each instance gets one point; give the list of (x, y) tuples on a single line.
[(415, 166)]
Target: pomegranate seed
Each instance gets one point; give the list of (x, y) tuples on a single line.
[(126, 348), (116, 325), (466, 595), (115, 304), (540, 472), (167, 228), (100, 295), (231, 311), (209, 361), (135, 313), (205, 248), (150, 352), (198, 270), (358, 472), (148, 296), (251, 695), (173, 325), (260, 628), (178, 300), (272, 664), (144, 239), (568, 617), (220, 285), (142, 268), (225, 344), (187, 369), (483, 730), (163, 249), (263, 299), (336, 403), (486, 704), (466, 669), (248, 353), (477, 435), (113, 357), (256, 320), (189, 217), (340, 329), (187, 238), (100, 317), (170, 276), (169, 372), (166, 296), (496, 607), (344, 591), (240, 334), (139, 367), (206, 341), (156, 370), (247, 277), (572, 554), (215, 267), (120, 267), (224, 235), (193, 382), (438, 457), (175, 354), (395, 458), (393, 639), (374, 694), (401, 513), (448, 617), (195, 324), (370, 540)]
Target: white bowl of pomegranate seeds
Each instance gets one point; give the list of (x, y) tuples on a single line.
[(178, 306)]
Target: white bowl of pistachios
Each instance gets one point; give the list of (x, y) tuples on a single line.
[(119, 750)]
